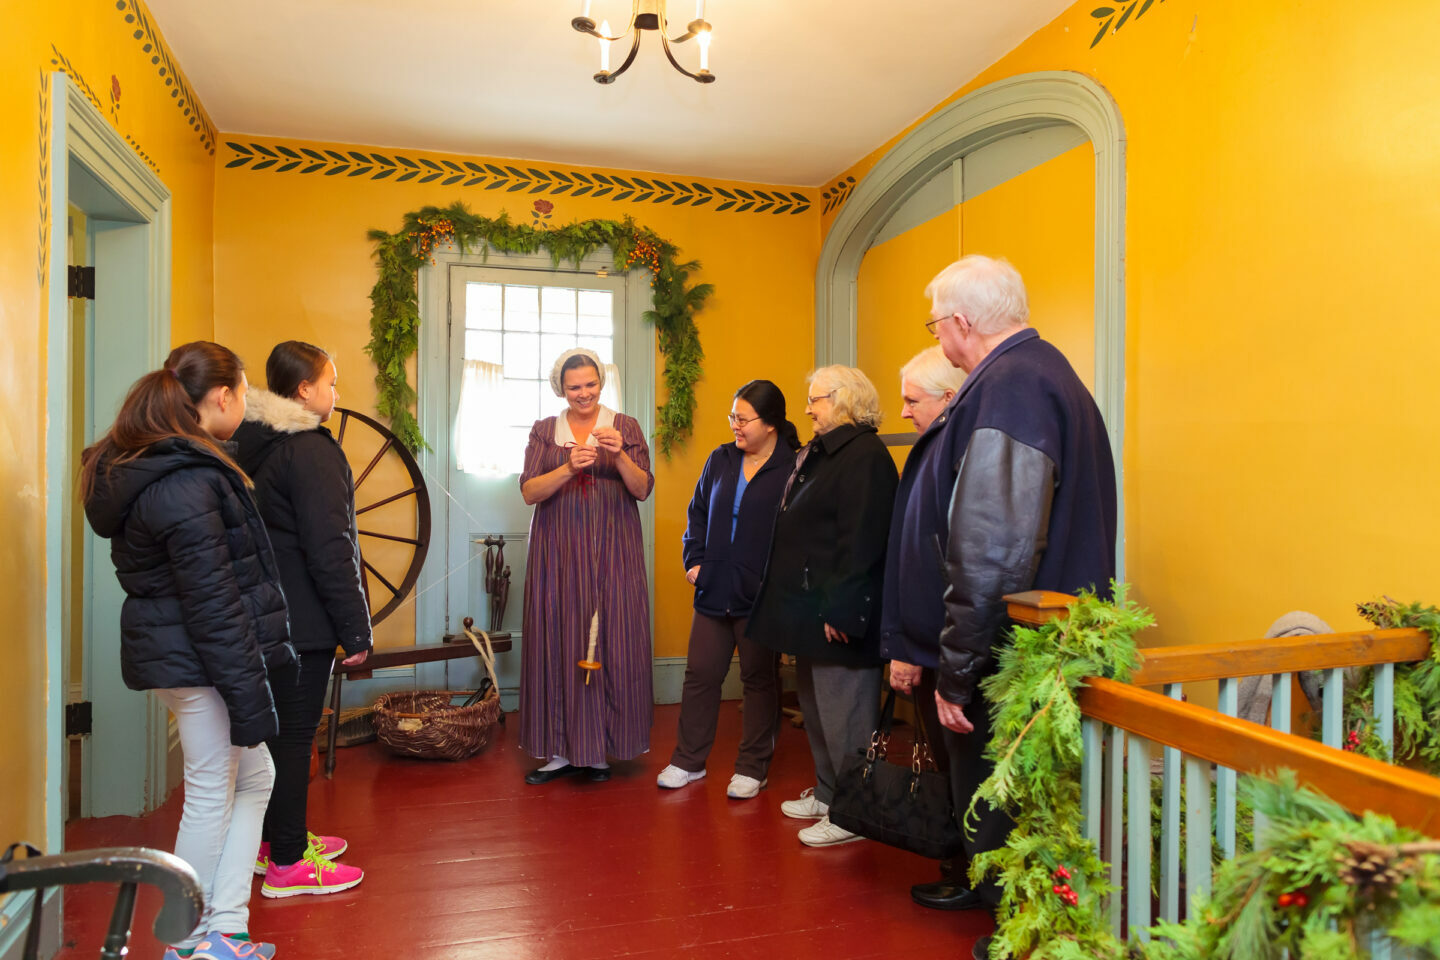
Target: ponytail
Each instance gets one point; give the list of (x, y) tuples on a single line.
[(162, 405), (769, 403)]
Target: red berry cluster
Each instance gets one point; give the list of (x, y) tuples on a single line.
[(1062, 888), (1352, 742), (1294, 899), (433, 234), (647, 255)]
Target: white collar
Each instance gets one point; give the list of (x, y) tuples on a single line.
[(565, 437)]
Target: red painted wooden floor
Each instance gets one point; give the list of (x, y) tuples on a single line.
[(465, 861)]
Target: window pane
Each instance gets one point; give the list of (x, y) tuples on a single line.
[(482, 306), (522, 307), (546, 401), (552, 345), (520, 406), (557, 310), (482, 345), (603, 346), (596, 303), (522, 355), (516, 439), (596, 326)]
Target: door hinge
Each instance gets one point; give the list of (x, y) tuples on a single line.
[(78, 719), (82, 283)]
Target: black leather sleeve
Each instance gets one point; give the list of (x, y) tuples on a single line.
[(999, 514)]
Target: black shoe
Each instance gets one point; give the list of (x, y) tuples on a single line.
[(545, 776), (945, 895), (981, 950), (597, 774)]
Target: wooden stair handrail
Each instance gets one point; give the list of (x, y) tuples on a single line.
[(1034, 607), (1322, 651), (1355, 782)]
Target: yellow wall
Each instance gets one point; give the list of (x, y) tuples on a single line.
[(93, 41), (292, 260), (1043, 221), (1281, 218)]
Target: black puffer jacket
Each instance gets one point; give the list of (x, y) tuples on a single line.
[(203, 606), (307, 497)]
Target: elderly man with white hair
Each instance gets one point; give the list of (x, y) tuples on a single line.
[(1015, 491)]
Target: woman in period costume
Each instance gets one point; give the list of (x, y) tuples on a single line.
[(585, 471), (820, 600)]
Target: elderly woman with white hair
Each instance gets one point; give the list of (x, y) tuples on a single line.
[(585, 471), (820, 599)]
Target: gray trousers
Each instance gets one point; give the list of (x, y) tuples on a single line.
[(842, 708)]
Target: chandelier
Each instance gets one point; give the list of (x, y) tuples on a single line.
[(648, 15)]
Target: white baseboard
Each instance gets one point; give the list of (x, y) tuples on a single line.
[(15, 922)]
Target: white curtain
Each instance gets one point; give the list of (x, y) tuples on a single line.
[(610, 393), (480, 434)]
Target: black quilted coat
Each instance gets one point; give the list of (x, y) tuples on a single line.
[(203, 605)]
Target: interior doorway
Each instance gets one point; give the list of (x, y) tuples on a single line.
[(114, 329)]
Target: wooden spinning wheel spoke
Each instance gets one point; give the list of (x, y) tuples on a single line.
[(390, 499), (357, 429), (394, 590), (390, 536)]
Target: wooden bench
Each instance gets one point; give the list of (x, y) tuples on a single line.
[(451, 649)]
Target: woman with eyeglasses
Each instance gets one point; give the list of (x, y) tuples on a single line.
[(724, 547), (820, 599)]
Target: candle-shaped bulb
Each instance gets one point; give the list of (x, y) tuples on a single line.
[(604, 46), (585, 9), (699, 9), (704, 40)]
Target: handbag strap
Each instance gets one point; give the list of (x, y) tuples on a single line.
[(880, 739), (922, 757)]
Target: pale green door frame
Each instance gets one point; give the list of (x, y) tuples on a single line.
[(1006, 108)]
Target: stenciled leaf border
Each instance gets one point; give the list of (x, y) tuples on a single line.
[(395, 305), (42, 270), (151, 42), (397, 168), (838, 194), (1118, 13)]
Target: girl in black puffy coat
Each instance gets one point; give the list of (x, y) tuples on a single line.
[(307, 497), (204, 619)]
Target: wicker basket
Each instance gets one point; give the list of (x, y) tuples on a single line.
[(357, 726), (427, 723)]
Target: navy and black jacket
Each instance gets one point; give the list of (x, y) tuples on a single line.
[(203, 605), (1013, 489), (730, 570)]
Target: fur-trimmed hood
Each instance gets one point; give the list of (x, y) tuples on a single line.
[(279, 413)]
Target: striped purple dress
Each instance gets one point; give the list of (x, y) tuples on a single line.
[(585, 551)]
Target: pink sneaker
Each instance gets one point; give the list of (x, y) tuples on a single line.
[(312, 874), (329, 848)]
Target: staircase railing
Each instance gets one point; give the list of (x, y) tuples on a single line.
[(1132, 733)]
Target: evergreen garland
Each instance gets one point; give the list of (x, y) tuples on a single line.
[(395, 308), (1316, 885), (1417, 693)]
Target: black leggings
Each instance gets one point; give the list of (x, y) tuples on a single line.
[(299, 700)]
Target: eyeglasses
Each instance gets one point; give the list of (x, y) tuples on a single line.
[(823, 396), (740, 421), (930, 325)]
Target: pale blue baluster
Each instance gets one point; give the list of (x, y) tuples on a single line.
[(1225, 777), (1137, 844), (1092, 734), (1280, 685), (1115, 822), (1385, 704), (1197, 828), (1380, 946), (1170, 827), (1332, 715)]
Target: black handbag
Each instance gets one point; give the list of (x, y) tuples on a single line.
[(906, 807)]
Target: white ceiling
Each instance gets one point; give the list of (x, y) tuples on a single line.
[(803, 88)]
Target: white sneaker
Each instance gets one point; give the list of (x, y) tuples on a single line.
[(823, 833), (673, 778), (743, 787), (806, 808)]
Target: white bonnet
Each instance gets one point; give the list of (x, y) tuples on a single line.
[(556, 377)]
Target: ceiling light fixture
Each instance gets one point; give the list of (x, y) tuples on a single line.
[(647, 15)]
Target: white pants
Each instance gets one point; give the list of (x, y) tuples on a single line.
[(226, 790)]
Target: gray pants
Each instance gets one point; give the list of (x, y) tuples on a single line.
[(842, 708)]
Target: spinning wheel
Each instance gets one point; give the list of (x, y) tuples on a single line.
[(393, 512)]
